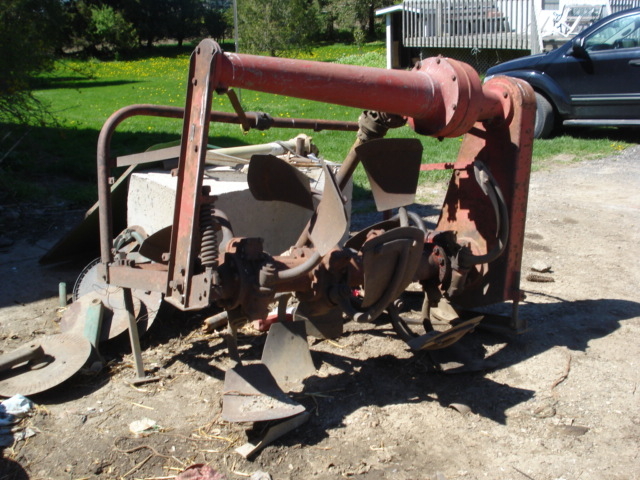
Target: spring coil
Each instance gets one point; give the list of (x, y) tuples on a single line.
[(209, 227)]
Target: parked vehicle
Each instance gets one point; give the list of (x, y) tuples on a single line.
[(592, 80)]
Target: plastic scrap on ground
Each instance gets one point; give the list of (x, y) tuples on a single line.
[(11, 411)]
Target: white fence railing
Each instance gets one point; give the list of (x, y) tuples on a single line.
[(503, 24), (618, 5), (499, 24)]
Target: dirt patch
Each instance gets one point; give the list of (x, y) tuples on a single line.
[(559, 401)]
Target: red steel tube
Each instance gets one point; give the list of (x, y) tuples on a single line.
[(441, 97), (406, 93)]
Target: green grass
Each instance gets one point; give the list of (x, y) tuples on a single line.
[(581, 144), (82, 94)]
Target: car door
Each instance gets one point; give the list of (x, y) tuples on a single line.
[(602, 74)]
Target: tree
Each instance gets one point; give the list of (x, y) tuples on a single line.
[(184, 19), (97, 27), (356, 16), (29, 37), (149, 17), (218, 21), (109, 29), (276, 26)]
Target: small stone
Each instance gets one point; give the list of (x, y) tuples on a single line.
[(545, 411), (260, 475), (571, 430), (541, 267)]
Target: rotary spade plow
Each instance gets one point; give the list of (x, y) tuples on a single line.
[(470, 260)]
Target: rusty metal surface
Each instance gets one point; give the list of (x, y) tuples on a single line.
[(392, 166), (104, 165), (151, 277), (271, 178), (329, 223), (251, 394), (505, 147), (193, 148), (286, 354), (25, 353), (116, 319), (64, 355), (448, 105), (390, 261), (439, 340), (393, 91), (272, 433), (465, 261)]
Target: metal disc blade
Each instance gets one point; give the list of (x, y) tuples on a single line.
[(271, 178), (251, 394), (115, 320), (90, 286), (393, 167), (286, 354), (64, 355)]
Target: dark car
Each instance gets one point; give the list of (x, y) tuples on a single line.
[(592, 80)]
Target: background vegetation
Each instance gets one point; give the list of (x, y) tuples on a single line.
[(66, 65), (33, 33)]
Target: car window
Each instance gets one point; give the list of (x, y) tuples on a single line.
[(621, 33)]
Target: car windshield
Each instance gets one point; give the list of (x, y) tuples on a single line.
[(621, 33)]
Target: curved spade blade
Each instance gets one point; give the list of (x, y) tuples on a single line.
[(329, 223), (271, 178), (286, 354), (156, 245), (393, 167), (251, 394)]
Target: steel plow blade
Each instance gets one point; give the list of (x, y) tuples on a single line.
[(393, 167), (251, 394), (271, 178), (286, 353)]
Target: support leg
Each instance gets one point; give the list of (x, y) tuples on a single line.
[(134, 337)]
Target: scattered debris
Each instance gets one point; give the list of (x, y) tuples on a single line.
[(17, 405), (536, 277), (201, 472), (460, 408), (565, 374), (271, 433), (541, 267), (11, 411), (522, 473), (546, 410), (144, 426), (260, 475), (571, 430)]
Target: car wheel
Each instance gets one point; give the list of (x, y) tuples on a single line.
[(545, 117)]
